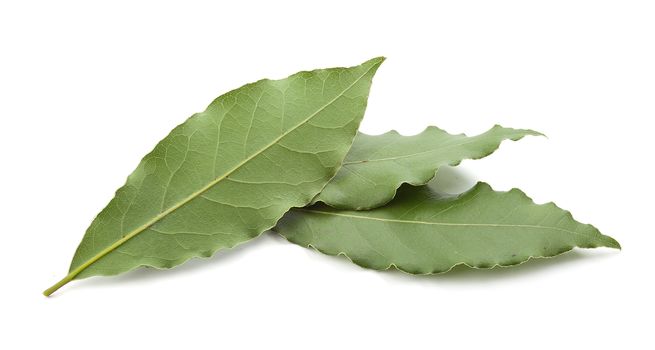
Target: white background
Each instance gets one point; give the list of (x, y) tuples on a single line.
[(86, 90)]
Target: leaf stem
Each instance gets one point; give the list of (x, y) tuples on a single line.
[(71, 275), (59, 284)]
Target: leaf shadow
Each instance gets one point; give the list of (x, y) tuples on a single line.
[(462, 274), (451, 180)]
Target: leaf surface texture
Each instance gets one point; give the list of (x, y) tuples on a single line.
[(229, 173), (423, 232), (376, 166)]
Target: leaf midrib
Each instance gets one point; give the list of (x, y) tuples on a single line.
[(418, 222), (163, 214), (402, 156)]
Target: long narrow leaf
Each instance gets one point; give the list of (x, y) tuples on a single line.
[(229, 173), (423, 232), (376, 166)]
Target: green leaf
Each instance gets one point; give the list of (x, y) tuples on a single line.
[(376, 166), (423, 232), (229, 173)]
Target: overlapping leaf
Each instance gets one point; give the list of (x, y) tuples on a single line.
[(424, 232), (229, 173), (377, 165)]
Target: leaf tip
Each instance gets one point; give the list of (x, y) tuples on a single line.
[(375, 62), (521, 132), (613, 243), (535, 133)]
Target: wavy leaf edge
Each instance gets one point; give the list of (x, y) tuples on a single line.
[(430, 176), (614, 244)]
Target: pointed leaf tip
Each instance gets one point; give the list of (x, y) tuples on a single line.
[(377, 61)]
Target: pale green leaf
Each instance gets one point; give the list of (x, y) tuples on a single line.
[(229, 173), (423, 232), (376, 166)]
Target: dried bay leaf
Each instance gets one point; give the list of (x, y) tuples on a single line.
[(423, 232), (377, 165), (229, 173)]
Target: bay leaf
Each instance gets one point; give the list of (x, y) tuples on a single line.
[(377, 165), (424, 232), (229, 173)]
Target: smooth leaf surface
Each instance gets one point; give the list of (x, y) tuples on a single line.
[(422, 232), (377, 166), (229, 173)]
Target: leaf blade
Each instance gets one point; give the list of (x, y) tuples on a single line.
[(421, 232), (377, 166), (228, 173)]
